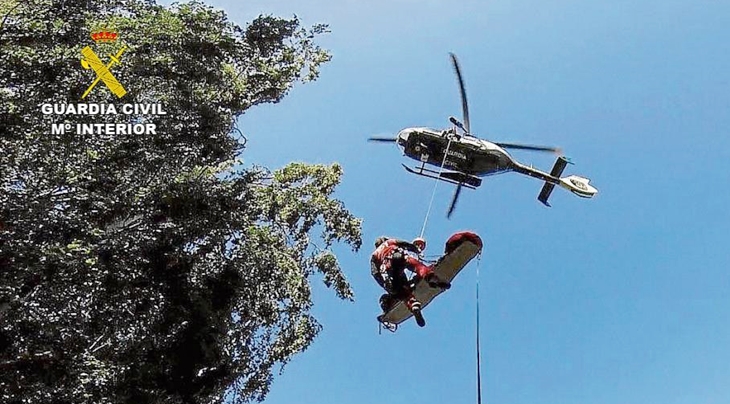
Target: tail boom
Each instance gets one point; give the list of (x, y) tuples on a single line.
[(577, 185)]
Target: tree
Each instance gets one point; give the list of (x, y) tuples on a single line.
[(154, 267)]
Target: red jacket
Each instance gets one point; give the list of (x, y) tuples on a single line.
[(384, 250)]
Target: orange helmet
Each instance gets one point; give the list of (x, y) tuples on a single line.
[(420, 243)]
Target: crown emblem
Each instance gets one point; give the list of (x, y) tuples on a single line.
[(104, 36)]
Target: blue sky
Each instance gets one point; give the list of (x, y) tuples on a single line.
[(619, 299)]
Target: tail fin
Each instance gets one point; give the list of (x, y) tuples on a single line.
[(556, 172)]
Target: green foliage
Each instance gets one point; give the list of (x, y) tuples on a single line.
[(152, 268)]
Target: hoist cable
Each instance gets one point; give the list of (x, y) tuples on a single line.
[(433, 194), (479, 370)]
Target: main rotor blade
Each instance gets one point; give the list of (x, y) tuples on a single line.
[(383, 139), (453, 201), (464, 104), (518, 146)]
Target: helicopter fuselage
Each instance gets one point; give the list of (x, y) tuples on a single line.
[(462, 159), (466, 154)]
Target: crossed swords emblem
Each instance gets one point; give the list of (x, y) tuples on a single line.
[(103, 73)]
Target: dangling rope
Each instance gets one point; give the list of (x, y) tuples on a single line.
[(479, 371), (433, 194)]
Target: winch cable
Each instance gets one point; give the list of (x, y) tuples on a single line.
[(433, 194), (479, 364)]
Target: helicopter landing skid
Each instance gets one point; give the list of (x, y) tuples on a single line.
[(452, 177)]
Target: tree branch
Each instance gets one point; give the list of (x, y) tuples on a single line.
[(5, 17)]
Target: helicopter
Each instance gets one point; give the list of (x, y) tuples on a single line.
[(463, 158)]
